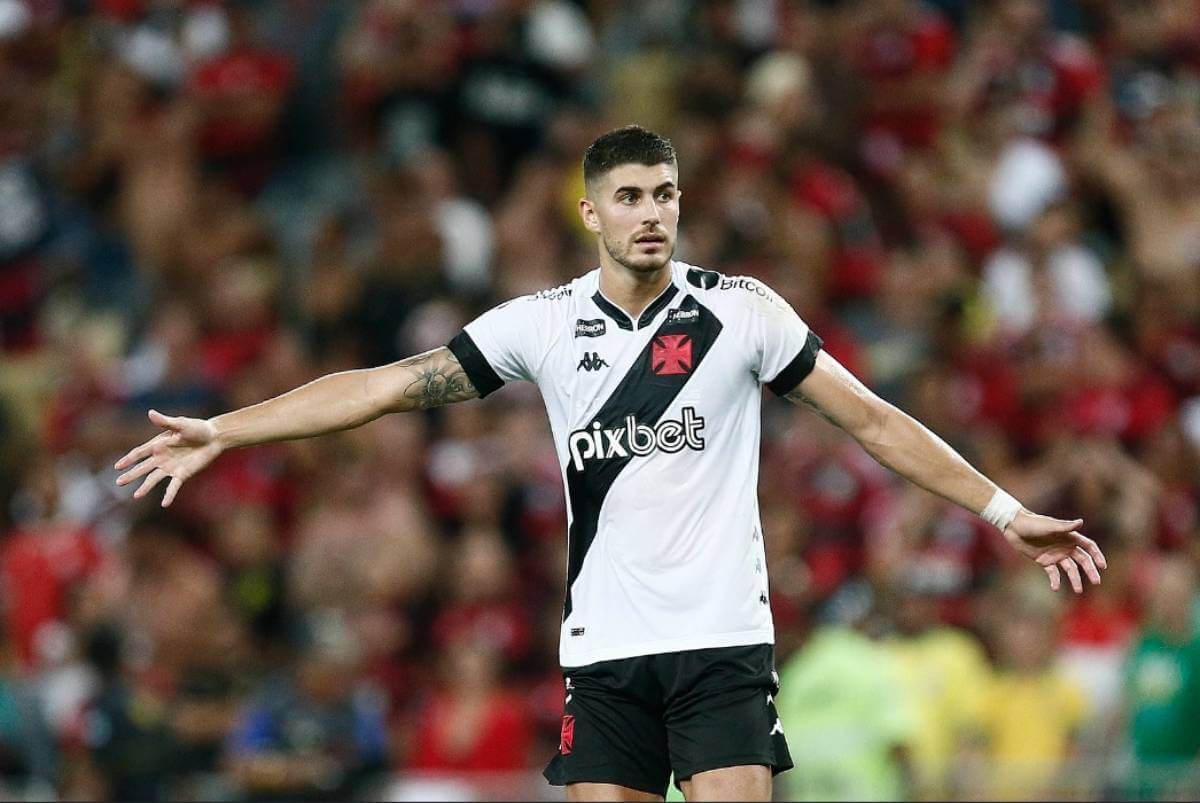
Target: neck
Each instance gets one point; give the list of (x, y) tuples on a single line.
[(631, 290)]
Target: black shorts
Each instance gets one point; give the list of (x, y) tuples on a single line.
[(633, 721)]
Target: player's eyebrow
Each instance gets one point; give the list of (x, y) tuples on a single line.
[(632, 189)]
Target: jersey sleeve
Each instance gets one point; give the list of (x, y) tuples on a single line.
[(785, 348), (504, 344)]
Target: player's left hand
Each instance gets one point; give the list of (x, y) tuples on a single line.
[(1056, 544)]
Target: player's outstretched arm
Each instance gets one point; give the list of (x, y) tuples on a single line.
[(334, 402), (901, 443)]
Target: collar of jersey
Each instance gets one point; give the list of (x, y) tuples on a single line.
[(622, 320)]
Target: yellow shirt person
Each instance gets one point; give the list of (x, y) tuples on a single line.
[(944, 675), (1029, 725)]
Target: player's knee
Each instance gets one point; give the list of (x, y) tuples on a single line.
[(749, 782)]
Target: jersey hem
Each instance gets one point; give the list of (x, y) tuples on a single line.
[(708, 641)]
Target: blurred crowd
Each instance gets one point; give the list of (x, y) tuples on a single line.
[(989, 210)]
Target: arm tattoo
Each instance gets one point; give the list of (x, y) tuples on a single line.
[(796, 397), (439, 379)]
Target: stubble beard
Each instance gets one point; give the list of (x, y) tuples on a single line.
[(650, 263)]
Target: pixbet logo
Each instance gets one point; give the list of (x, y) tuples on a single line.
[(636, 440)]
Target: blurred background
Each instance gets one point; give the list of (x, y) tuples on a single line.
[(989, 210)]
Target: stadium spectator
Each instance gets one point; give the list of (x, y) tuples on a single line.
[(838, 704), (472, 722), (1163, 688), (943, 675), (42, 561), (1031, 713), (26, 747), (316, 730)]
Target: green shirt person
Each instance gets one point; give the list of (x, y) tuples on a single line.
[(846, 723), (1163, 688)]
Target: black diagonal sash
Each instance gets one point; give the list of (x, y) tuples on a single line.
[(646, 396)]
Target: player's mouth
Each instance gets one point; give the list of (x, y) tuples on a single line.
[(651, 242)]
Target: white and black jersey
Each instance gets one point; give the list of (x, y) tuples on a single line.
[(656, 424)]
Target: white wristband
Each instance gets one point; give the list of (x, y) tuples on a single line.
[(1001, 510)]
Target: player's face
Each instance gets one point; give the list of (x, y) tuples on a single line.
[(634, 208)]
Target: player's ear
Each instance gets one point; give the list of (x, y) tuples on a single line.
[(587, 211)]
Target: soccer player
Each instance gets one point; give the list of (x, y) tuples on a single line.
[(651, 371)]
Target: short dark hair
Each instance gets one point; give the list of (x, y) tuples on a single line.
[(630, 144)]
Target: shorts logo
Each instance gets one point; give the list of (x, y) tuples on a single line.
[(589, 328), (671, 355), (567, 743)]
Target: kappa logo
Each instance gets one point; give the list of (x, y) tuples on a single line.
[(589, 328), (554, 293), (671, 355), (776, 728), (591, 362)]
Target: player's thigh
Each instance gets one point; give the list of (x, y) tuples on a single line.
[(722, 716), (746, 782), (607, 792)]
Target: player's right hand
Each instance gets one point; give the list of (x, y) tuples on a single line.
[(180, 451)]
